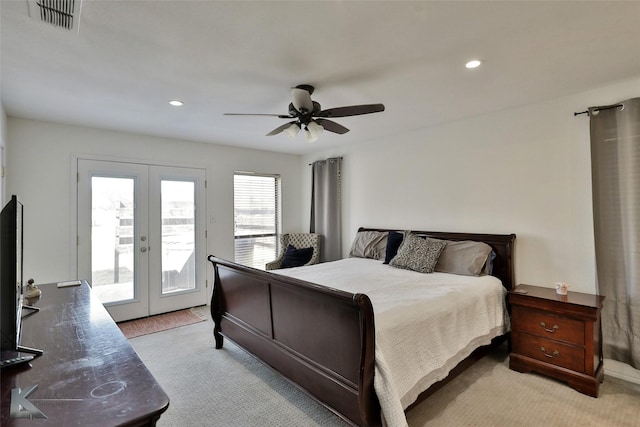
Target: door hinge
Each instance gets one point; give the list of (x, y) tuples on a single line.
[(205, 183), (206, 283)]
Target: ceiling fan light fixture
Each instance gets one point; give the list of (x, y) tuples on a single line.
[(292, 130), (310, 137), (301, 100), (313, 131), (307, 114)]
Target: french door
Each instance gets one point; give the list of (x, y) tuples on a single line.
[(141, 237)]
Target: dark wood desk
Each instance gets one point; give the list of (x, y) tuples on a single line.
[(89, 375)]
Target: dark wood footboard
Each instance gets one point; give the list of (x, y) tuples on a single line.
[(321, 339)]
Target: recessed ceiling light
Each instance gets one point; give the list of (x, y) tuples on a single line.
[(473, 64), (176, 103)]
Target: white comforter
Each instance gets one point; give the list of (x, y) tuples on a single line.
[(425, 323)]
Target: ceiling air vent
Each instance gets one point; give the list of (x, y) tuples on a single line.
[(59, 13)]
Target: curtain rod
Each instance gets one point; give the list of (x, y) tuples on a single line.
[(598, 109), (311, 164)]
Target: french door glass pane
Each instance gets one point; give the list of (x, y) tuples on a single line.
[(178, 236), (112, 209)]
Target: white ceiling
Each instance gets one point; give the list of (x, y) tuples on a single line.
[(130, 57)]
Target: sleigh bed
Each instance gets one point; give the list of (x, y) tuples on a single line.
[(323, 339)]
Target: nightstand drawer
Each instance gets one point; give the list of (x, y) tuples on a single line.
[(548, 325), (549, 351)]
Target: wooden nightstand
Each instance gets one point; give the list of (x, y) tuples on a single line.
[(557, 335)]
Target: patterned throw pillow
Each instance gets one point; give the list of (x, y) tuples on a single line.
[(418, 254)]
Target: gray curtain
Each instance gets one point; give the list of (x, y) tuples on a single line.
[(615, 163), (326, 207)]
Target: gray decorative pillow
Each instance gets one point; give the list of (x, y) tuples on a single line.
[(369, 244), (466, 257), (418, 254)]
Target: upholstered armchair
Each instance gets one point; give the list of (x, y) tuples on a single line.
[(299, 241)]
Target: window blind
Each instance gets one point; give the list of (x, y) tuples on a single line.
[(256, 218)]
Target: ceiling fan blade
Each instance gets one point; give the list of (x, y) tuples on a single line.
[(301, 100), (282, 116), (280, 128), (352, 110), (332, 126)]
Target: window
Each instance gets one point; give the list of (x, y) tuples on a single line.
[(256, 218)]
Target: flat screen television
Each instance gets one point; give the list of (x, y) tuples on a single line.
[(11, 281)]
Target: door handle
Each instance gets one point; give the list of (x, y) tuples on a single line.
[(143, 249)]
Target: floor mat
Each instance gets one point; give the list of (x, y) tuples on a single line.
[(160, 322)]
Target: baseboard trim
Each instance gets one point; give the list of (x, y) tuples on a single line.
[(621, 370)]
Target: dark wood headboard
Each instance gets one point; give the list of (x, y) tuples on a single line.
[(502, 245)]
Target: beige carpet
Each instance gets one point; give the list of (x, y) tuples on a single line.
[(209, 387), (160, 322), (490, 394)]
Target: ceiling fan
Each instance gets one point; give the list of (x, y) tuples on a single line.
[(311, 117)]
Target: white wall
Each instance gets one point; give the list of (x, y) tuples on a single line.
[(524, 170), (3, 138), (3, 126), (39, 162)]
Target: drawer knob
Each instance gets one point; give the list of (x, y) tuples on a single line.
[(552, 330), (552, 355)]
